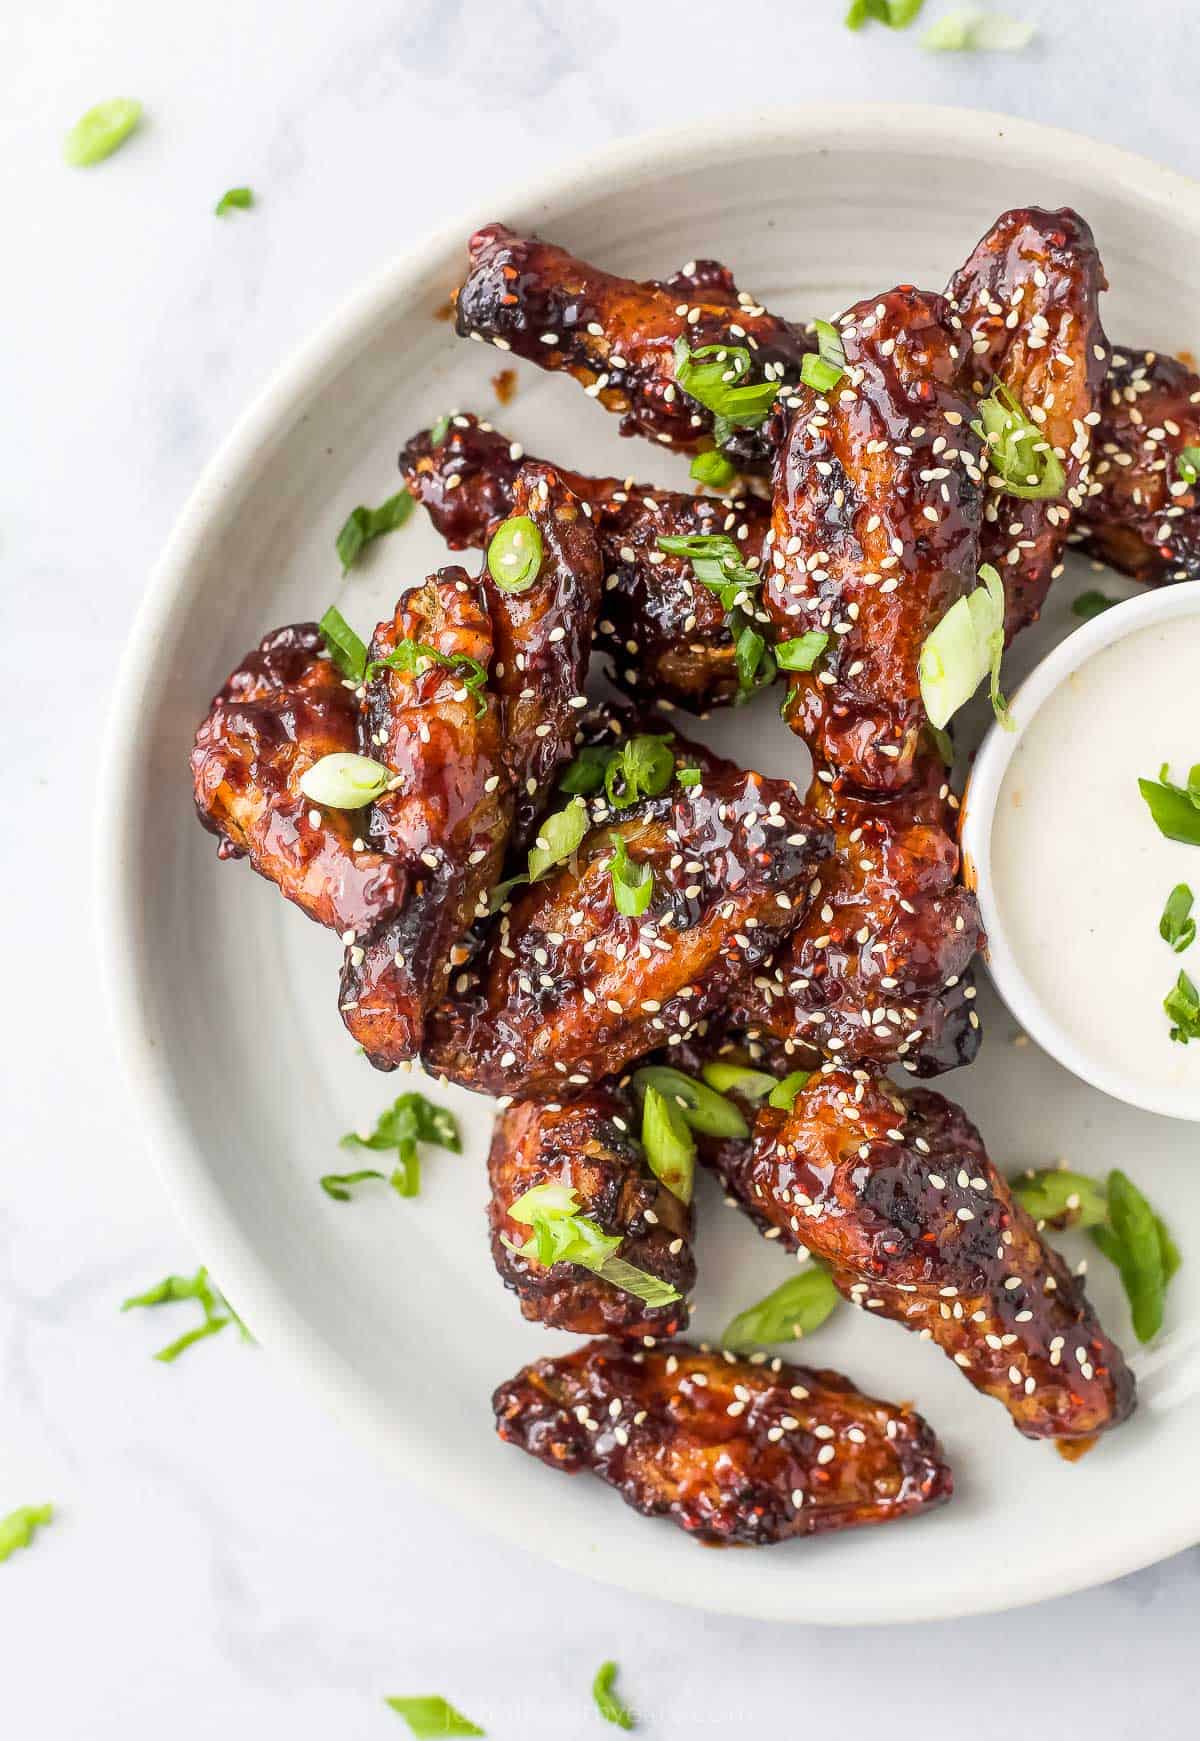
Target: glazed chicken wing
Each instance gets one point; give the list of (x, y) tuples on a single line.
[(875, 532), (877, 971), (733, 1452), (1141, 514), (666, 633), (589, 1147), (446, 815), (617, 337), (543, 640), (895, 1192), (284, 708), (1028, 299), (569, 989)]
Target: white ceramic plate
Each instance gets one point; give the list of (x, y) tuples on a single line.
[(225, 998)]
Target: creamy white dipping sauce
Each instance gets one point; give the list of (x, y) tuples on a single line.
[(1079, 870)]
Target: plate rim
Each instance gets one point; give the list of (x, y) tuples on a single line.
[(279, 1325)]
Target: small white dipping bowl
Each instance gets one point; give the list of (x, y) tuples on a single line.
[(979, 811)]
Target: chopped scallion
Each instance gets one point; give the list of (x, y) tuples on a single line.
[(1177, 926), (632, 882), (514, 556), (700, 1105), (971, 29), (237, 199), (101, 131), (801, 653), (345, 781), (364, 525), (784, 1093), (713, 469), (669, 1144), (795, 1308), (1018, 451), (18, 1529), (823, 370), (607, 1702), (966, 645)]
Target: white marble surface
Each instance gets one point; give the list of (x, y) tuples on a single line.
[(225, 1558)]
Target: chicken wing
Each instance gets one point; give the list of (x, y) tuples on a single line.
[(896, 1193), (617, 337), (589, 1147), (666, 633), (447, 813), (284, 708), (1028, 299), (878, 969), (875, 532), (569, 989), (543, 640), (1141, 512), (733, 1452)]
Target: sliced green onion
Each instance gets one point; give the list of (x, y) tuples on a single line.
[(1123, 1226), (217, 1312), (669, 1145), (1060, 1198), (1182, 1004), (337, 1185), (1092, 604), (1017, 449), (439, 432), (755, 665), (1177, 926), (650, 1289), (898, 14), (784, 1093), (607, 1702), (1137, 1251), (990, 620), (17, 1530), (823, 370), (559, 834), (689, 776), (699, 1105), (345, 781), (432, 1716), (632, 883), (364, 525), (737, 1079), (561, 1235), (642, 768), (413, 657), (721, 386), (795, 1308), (1187, 464), (713, 469), (960, 652), (346, 649), (717, 563), (411, 1119), (101, 131), (514, 556), (801, 653), (971, 29), (1175, 809), (585, 774), (237, 199)]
